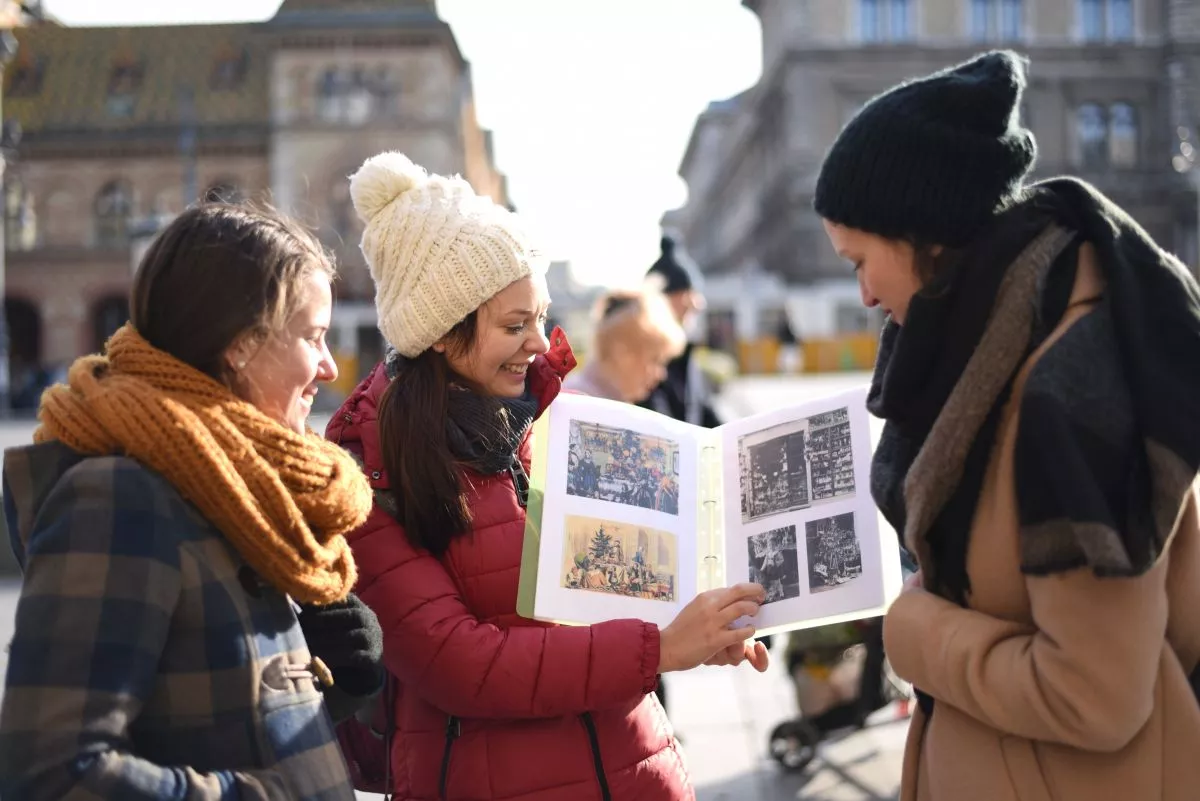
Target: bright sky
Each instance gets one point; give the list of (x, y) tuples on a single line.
[(591, 101)]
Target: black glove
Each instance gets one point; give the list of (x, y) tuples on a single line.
[(345, 635)]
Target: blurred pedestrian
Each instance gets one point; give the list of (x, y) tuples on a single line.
[(171, 515), (636, 335), (1039, 379), (491, 705), (684, 394)]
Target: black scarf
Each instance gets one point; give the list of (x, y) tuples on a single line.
[(483, 433), (1108, 444)]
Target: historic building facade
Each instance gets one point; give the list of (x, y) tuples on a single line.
[(120, 128), (1112, 97)]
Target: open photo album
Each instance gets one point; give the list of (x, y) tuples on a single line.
[(632, 514)]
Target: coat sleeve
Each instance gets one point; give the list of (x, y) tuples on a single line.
[(1084, 676), (102, 579), (440, 650)]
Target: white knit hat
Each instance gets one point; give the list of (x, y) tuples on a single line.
[(436, 250)]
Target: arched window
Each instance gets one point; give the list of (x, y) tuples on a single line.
[(114, 205), (24, 352), (1092, 134), (1122, 135), (108, 315)]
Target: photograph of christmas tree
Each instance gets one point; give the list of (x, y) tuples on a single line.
[(619, 558), (834, 553)]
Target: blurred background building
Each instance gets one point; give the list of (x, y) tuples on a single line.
[(122, 127), (1112, 97)]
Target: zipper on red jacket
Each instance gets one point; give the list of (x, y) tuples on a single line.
[(594, 739), (453, 730), (520, 480)]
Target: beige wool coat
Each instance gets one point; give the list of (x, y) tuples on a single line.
[(1065, 687)]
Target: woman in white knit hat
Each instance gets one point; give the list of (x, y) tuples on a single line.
[(490, 705)]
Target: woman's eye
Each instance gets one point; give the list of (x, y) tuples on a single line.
[(516, 329)]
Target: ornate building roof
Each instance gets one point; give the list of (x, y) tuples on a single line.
[(68, 80)]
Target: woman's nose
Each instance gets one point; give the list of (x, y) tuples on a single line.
[(327, 370), (868, 300), (538, 343)]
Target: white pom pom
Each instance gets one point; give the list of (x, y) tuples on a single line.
[(381, 179)]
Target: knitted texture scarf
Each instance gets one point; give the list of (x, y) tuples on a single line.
[(283, 500)]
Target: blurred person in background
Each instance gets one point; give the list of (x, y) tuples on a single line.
[(186, 592), (636, 336), (685, 393), (1039, 375)]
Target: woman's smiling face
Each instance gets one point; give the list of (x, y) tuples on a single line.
[(510, 332)]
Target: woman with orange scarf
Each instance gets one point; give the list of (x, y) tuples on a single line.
[(185, 613)]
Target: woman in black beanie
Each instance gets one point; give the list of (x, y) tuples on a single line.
[(1039, 375)]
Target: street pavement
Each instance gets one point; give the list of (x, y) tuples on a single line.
[(724, 715)]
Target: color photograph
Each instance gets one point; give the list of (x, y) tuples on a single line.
[(617, 465), (620, 559)]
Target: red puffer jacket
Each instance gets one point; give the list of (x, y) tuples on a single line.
[(492, 705)]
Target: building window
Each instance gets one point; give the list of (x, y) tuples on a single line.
[(25, 78), (1092, 133), (20, 219), (1122, 135), (124, 82), (900, 21), (997, 20), (229, 69), (113, 207), (885, 20), (1120, 20), (1107, 137), (355, 96), (870, 23), (1106, 20)]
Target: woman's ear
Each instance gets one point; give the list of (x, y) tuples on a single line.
[(238, 355), (439, 347)]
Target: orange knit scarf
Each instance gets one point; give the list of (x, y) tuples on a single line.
[(284, 500)]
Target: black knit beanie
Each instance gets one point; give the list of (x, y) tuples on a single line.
[(932, 159), (676, 269)]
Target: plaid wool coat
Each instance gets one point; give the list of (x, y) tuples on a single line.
[(149, 661)]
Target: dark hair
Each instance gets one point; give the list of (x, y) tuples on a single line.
[(423, 473), (218, 272), (934, 266)]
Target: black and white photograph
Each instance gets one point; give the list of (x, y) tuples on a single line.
[(774, 563), (795, 465), (834, 553), (617, 465)]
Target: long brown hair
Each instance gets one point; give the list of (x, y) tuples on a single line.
[(423, 472)]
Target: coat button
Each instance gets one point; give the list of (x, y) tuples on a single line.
[(376, 475)]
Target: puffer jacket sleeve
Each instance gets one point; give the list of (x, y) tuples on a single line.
[(438, 649)]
